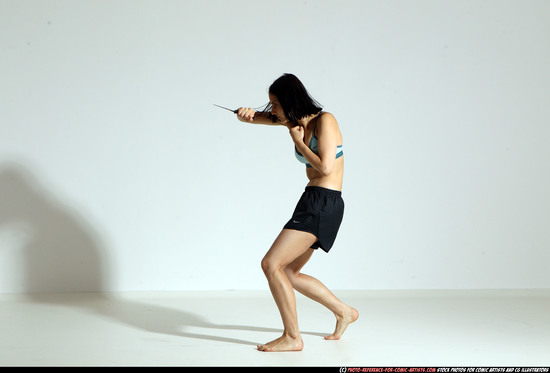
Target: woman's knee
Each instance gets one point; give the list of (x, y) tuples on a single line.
[(269, 266)]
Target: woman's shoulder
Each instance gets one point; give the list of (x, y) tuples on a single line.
[(326, 119)]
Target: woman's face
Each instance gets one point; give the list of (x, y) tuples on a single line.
[(276, 109)]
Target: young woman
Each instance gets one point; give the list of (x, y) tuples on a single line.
[(318, 214)]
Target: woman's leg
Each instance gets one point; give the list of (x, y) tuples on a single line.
[(289, 245), (314, 289)]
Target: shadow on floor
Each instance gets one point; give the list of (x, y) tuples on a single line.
[(151, 318)]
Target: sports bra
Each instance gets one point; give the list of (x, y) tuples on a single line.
[(314, 146)]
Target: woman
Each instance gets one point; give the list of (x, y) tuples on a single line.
[(318, 214)]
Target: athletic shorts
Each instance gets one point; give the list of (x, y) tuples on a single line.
[(320, 212)]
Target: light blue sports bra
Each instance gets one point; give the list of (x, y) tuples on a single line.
[(314, 146)]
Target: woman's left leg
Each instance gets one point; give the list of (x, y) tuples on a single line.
[(289, 245)]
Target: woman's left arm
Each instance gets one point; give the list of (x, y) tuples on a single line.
[(327, 136)]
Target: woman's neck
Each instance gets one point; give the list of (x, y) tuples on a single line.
[(304, 122)]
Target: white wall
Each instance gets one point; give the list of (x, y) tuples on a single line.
[(117, 173)]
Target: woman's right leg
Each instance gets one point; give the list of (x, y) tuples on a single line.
[(316, 290)]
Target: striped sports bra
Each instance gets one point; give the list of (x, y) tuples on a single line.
[(314, 146)]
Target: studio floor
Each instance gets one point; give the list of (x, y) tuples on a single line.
[(395, 328)]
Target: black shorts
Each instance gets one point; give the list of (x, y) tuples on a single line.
[(320, 212)]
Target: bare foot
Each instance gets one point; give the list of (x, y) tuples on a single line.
[(342, 322), (284, 343)]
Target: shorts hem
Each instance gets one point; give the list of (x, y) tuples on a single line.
[(316, 245)]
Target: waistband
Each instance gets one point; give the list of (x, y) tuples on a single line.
[(319, 189)]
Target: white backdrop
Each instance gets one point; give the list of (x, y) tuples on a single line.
[(117, 173)]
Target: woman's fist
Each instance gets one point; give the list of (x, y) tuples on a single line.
[(245, 114), (297, 133)]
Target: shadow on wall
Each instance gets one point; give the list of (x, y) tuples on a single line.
[(58, 249), (61, 253)]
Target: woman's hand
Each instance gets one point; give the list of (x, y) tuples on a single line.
[(297, 133), (246, 114)]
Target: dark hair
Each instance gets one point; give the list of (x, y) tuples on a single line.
[(293, 97)]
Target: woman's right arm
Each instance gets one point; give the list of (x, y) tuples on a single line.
[(248, 115)]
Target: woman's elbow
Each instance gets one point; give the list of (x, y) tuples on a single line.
[(326, 169)]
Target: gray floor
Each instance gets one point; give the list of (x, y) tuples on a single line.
[(395, 328)]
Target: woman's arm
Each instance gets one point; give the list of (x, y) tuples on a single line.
[(327, 135), (248, 115)]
